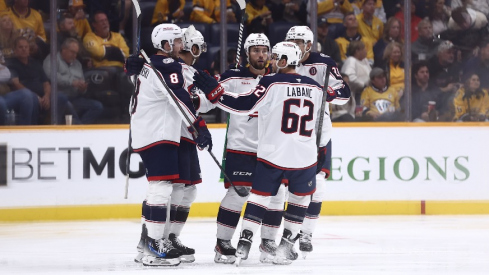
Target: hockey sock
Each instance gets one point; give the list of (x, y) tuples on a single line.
[(158, 195), (229, 213), (190, 192), (274, 214), (314, 208), (176, 198), (255, 211), (295, 213)]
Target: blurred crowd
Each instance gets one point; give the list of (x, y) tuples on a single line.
[(449, 51)]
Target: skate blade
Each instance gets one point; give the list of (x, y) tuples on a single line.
[(266, 258), (238, 261), (224, 259), (281, 261), (153, 261), (187, 258), (138, 259), (304, 254)]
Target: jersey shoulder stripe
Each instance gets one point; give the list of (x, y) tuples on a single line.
[(319, 58)]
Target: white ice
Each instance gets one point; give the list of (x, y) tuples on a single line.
[(342, 245)]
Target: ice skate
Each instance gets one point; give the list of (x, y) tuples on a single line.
[(305, 245), (225, 252), (140, 247), (244, 246), (160, 253), (285, 254), (268, 249), (187, 252)]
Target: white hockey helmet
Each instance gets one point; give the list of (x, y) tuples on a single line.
[(290, 50), (300, 33), (256, 39), (167, 32), (191, 37)]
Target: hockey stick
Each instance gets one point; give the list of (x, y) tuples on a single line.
[(323, 106), (241, 192), (135, 3), (242, 5)]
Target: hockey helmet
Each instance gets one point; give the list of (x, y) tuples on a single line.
[(191, 37), (300, 33), (288, 50), (165, 32), (256, 39)]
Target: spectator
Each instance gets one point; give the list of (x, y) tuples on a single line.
[(394, 66), (258, 16), (351, 34), (439, 14), (466, 29), (379, 9), (76, 8), (444, 70), (3, 7), (25, 17), (335, 12), (369, 26), (424, 48), (480, 64), (27, 73), (471, 102), (208, 11), (66, 28), (328, 45), (109, 51), (357, 68), (71, 82), (292, 11), (423, 93), (392, 33), (415, 20), (8, 34), (23, 102), (380, 102), (345, 112), (478, 5), (231, 60), (168, 11)]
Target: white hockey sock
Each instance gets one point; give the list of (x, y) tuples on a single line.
[(273, 216), (295, 213), (229, 214), (254, 212), (176, 198), (190, 192), (158, 196), (314, 209)]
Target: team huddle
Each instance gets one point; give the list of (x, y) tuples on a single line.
[(272, 153)]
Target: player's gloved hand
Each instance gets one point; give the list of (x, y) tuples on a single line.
[(321, 159), (133, 65), (204, 138), (209, 85)]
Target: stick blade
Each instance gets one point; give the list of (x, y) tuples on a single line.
[(135, 3), (241, 3)]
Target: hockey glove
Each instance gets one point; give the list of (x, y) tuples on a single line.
[(114, 54), (209, 86), (133, 65), (321, 159), (203, 139)]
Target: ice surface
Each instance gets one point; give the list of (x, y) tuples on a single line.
[(342, 245)]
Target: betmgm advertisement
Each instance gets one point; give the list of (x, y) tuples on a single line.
[(78, 166)]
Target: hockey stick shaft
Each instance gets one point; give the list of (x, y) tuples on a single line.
[(323, 106), (137, 8), (242, 5), (195, 132)]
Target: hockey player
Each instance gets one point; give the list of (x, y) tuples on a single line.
[(313, 65), (288, 106), (241, 148), (156, 123)]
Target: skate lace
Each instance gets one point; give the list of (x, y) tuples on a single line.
[(226, 244), (305, 238), (270, 244), (179, 243), (165, 245)]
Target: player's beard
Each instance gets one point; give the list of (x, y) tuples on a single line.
[(259, 65)]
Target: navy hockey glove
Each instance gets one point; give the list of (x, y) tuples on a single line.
[(133, 65), (204, 138), (209, 85), (321, 159)]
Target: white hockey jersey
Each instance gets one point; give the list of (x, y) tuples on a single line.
[(156, 118), (288, 106), (188, 77), (315, 67)]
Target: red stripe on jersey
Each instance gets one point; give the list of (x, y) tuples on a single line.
[(284, 168), (304, 194), (231, 210), (241, 152), (188, 140), (237, 183), (168, 177), (181, 181), (156, 143), (260, 193)]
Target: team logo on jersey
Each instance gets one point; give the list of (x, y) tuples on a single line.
[(309, 183), (168, 60), (313, 71)]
